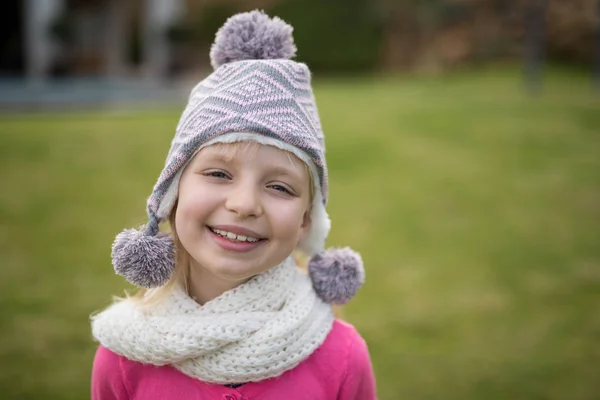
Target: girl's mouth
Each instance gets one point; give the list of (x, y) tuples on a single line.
[(233, 237), (235, 242)]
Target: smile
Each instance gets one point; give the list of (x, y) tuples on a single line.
[(234, 237), (240, 242)]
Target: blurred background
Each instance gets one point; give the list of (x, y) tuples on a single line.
[(463, 144)]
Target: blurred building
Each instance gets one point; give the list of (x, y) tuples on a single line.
[(45, 38), (120, 38), (149, 42), (94, 52)]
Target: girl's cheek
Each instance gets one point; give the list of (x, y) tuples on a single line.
[(201, 197), (293, 213), (190, 197)]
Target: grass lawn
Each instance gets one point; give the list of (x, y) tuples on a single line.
[(475, 207)]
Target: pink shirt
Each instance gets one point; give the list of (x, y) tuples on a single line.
[(340, 369)]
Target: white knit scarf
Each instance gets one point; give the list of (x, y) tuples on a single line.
[(256, 331)]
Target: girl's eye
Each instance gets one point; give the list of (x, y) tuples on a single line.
[(217, 174), (280, 188)]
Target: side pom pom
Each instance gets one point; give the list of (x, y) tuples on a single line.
[(336, 274), (145, 261), (252, 36)]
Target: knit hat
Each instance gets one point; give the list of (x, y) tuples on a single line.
[(256, 93)]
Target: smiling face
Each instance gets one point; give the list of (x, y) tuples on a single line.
[(242, 209)]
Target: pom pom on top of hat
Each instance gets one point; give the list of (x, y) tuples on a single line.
[(252, 36)]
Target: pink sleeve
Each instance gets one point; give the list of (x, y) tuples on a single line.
[(107, 377), (359, 380)]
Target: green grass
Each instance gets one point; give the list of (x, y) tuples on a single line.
[(476, 209)]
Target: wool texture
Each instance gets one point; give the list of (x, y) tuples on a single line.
[(144, 260), (256, 331), (337, 274), (252, 36)]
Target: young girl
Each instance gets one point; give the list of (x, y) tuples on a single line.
[(226, 313)]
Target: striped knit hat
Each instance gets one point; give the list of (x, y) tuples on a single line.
[(256, 93)]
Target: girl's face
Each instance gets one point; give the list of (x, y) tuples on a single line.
[(239, 215)]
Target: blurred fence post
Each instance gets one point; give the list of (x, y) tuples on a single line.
[(39, 46), (159, 16), (115, 38), (535, 51), (597, 66)]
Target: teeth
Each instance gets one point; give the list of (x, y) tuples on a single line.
[(233, 236)]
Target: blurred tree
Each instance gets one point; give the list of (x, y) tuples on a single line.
[(202, 25), (334, 35), (427, 35), (441, 33), (571, 30), (413, 29), (597, 67)]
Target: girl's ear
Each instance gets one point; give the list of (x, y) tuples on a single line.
[(306, 224), (306, 220)]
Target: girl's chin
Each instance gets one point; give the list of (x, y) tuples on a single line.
[(228, 267), (228, 271), (238, 274), (238, 279)]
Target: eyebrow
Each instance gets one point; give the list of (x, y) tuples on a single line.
[(279, 170), (214, 157)]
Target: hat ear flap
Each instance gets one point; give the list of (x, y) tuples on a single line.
[(336, 274), (146, 259)]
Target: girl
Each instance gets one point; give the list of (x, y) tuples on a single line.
[(225, 313)]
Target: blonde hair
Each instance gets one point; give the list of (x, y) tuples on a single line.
[(180, 276)]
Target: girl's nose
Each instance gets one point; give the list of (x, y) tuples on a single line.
[(244, 200)]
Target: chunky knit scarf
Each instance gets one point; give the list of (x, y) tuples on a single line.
[(256, 331)]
